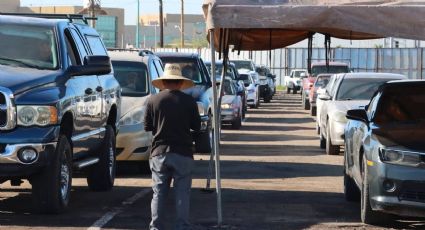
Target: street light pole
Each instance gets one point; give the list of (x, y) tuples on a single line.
[(182, 24), (137, 24)]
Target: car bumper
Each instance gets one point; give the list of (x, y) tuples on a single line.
[(133, 143), (408, 196), (228, 115), (337, 132)]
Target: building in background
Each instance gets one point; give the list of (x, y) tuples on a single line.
[(109, 25), (194, 31)]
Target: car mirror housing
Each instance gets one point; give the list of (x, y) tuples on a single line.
[(93, 65), (357, 114), (324, 97)]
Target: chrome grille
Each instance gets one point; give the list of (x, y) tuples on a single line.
[(7, 109)]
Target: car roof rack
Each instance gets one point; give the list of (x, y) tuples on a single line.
[(70, 17)]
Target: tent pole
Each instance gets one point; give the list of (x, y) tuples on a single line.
[(216, 116)]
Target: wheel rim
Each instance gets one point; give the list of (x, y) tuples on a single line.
[(64, 179)]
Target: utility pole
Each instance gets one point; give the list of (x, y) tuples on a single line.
[(161, 26), (92, 14), (182, 24), (137, 24)]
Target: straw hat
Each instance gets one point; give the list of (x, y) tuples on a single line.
[(172, 72)]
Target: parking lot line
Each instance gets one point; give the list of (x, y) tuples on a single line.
[(98, 224)]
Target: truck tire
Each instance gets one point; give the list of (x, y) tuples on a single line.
[(313, 110), (101, 176), (351, 192), (330, 148), (52, 187), (306, 104), (294, 91), (237, 123), (322, 141), (288, 90), (369, 216)]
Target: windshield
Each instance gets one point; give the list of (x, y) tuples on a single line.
[(28, 46), (188, 66), (228, 89), (402, 105), (245, 78), (298, 73), (359, 88), (262, 71), (318, 69), (243, 65), (132, 77), (322, 81), (219, 70)]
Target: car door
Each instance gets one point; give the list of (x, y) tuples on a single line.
[(85, 135)]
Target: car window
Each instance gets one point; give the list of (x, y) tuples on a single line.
[(96, 45), (242, 65), (132, 77), (372, 106), (298, 73), (79, 44), (32, 46), (228, 88), (189, 67), (321, 81), (318, 69), (247, 80), (359, 89)]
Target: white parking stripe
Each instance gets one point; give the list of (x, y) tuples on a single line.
[(117, 210)]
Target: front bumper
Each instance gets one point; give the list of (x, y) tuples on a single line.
[(228, 115), (337, 132), (408, 196), (133, 143)]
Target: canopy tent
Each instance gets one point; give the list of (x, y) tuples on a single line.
[(272, 24)]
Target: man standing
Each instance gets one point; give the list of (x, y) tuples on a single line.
[(170, 115)]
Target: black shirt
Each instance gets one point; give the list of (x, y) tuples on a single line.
[(170, 115)]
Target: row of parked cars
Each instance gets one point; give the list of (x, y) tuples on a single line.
[(378, 120)]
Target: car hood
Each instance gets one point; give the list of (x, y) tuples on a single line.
[(128, 104), (19, 79), (343, 106), (195, 91), (401, 135), (227, 99)]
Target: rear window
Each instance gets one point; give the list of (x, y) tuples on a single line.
[(318, 69), (189, 67), (359, 88), (132, 77)]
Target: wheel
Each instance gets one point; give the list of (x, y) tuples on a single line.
[(288, 90), (203, 142), (101, 176), (267, 99), (330, 148), (322, 141), (294, 91), (237, 123), (52, 187), (306, 104), (313, 110), (258, 102), (369, 216), (317, 128)]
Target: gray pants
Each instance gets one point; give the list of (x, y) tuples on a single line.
[(164, 168)]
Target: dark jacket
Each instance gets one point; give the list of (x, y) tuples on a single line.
[(170, 115)]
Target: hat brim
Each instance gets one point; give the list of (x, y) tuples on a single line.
[(158, 83)]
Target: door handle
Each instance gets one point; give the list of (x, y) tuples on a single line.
[(88, 91), (99, 89)]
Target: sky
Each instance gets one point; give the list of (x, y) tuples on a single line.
[(130, 6)]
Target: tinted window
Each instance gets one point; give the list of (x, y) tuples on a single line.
[(359, 89), (189, 67), (245, 78), (316, 70), (298, 73), (28, 46), (228, 89), (243, 65), (132, 77), (262, 71), (79, 43), (96, 45)]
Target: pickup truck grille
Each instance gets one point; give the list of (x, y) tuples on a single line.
[(7, 110)]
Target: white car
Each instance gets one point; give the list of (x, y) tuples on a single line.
[(293, 81), (351, 91), (252, 90), (247, 67)]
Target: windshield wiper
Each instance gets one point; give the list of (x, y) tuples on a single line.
[(21, 62)]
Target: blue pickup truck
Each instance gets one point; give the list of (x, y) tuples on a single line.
[(59, 104)]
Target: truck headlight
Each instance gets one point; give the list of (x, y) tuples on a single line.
[(133, 118), (201, 108), (400, 157), (226, 106), (37, 115)]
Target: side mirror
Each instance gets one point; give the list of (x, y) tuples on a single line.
[(93, 65), (324, 97), (357, 114)]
